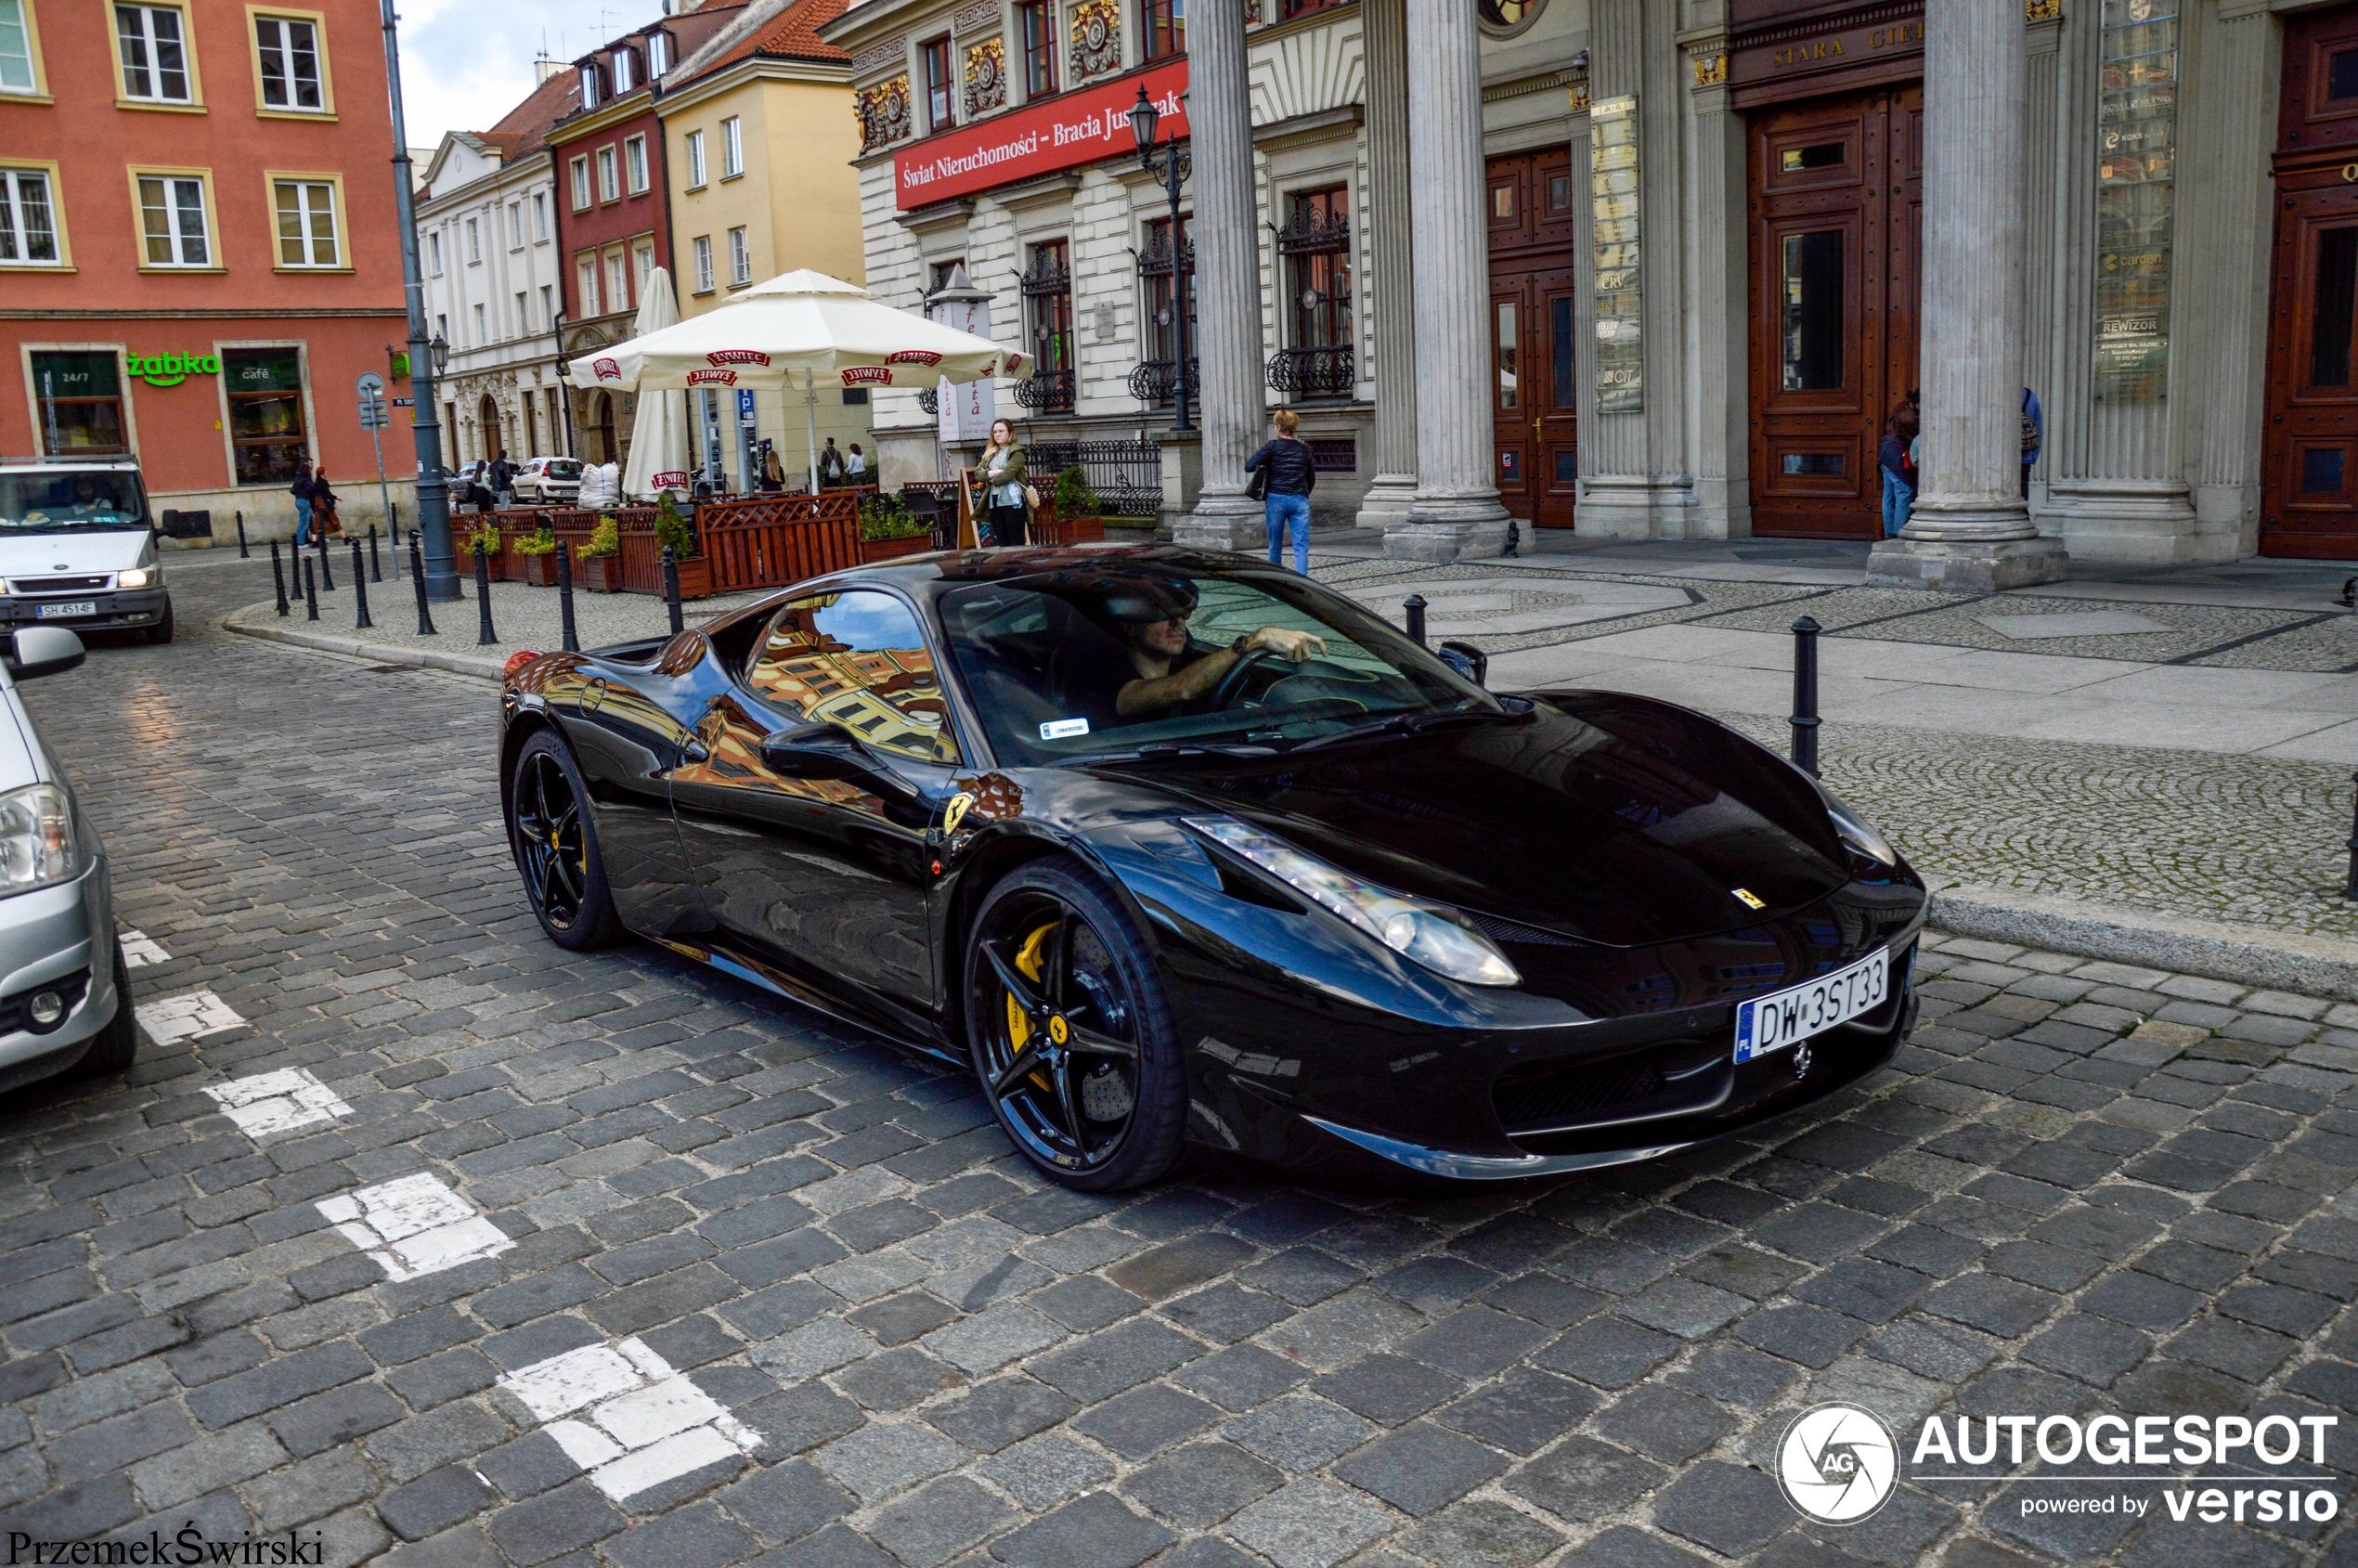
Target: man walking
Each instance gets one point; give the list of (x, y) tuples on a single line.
[(301, 490)]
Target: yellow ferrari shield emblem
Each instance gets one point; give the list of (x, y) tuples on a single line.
[(1749, 898), (1058, 1031), (956, 812)]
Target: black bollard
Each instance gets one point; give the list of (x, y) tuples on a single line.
[(327, 577), (376, 573), (2352, 892), (1805, 695), (1414, 608), (359, 592), (393, 534), (244, 553), (310, 592), (1514, 540), (484, 636), (417, 577), (564, 596), (671, 590), (278, 577)]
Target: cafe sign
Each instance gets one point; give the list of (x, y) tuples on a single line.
[(171, 370)]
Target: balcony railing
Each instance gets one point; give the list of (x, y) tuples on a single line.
[(1048, 391), (1153, 381), (1332, 371), (1309, 236), (1127, 475), (1155, 260)]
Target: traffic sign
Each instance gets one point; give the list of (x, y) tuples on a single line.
[(405, 402), (371, 385), (373, 417)]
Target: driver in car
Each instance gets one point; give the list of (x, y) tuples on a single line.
[(1169, 668)]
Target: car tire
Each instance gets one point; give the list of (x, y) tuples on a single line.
[(160, 633), (1119, 995), (114, 1047), (555, 839)]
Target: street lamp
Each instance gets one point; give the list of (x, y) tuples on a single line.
[(441, 354), (433, 491), (1176, 166)]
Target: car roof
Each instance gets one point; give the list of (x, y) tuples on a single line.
[(930, 575)]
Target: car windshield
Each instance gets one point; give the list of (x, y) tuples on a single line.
[(75, 498), (1073, 665), (564, 468)]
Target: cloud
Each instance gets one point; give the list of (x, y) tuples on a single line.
[(465, 65)]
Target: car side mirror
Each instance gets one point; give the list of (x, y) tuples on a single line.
[(37, 651), (1466, 660), (811, 751)]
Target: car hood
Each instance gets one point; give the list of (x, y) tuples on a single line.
[(1612, 819), (99, 549)]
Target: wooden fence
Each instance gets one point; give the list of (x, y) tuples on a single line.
[(768, 542)]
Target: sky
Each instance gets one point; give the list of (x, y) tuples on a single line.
[(465, 63)]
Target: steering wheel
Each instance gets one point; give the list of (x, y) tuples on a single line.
[(1233, 683)]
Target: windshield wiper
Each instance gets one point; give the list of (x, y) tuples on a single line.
[(1400, 724), (1183, 748)]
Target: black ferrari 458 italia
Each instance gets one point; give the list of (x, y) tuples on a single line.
[(1176, 848)]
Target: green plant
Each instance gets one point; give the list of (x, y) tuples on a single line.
[(1074, 498), (889, 517), (542, 543), (486, 535), (673, 529), (606, 537)]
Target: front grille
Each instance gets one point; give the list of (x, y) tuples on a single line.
[(82, 584), (12, 1008), (1652, 1081)]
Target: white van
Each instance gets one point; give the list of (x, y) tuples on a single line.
[(78, 549)]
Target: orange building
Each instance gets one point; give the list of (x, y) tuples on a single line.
[(198, 247)]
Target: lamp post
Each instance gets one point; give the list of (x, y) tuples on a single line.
[(434, 493), (1171, 175)]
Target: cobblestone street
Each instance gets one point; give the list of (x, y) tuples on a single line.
[(416, 1233)]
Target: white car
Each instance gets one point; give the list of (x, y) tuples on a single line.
[(544, 480), (77, 548)]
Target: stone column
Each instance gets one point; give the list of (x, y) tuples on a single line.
[(1456, 511), (1970, 531), (2237, 127), (1230, 408), (1384, 25)]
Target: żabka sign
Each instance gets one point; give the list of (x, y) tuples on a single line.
[(1076, 128)]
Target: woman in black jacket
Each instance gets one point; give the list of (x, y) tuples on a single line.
[(1284, 503)]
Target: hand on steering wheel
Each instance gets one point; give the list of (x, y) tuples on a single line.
[(1232, 684)]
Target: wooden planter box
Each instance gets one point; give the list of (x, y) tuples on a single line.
[(695, 577), (871, 551), (598, 574), (540, 571)]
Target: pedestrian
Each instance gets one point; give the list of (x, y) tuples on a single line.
[(502, 476), (1003, 478), (773, 473), (855, 467), (1898, 472), (1284, 476), (830, 465), (301, 490), (2034, 435), (323, 506)]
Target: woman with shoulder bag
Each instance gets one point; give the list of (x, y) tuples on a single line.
[(1283, 478), (1003, 478)]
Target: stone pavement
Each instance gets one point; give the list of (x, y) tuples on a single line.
[(606, 1260)]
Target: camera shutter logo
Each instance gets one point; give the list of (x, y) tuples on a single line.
[(1837, 1463)]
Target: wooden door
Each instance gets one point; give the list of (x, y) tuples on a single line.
[(1836, 206), (1533, 385)]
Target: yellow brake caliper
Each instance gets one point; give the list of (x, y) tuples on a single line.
[(1029, 962)]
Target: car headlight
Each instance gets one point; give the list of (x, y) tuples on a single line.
[(1858, 834), (1438, 939), (134, 576), (38, 845)]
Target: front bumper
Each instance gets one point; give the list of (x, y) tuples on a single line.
[(49, 936), (116, 609)]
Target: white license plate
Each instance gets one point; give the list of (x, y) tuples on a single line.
[(63, 612), (1771, 1023)]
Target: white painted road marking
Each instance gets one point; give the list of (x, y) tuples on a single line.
[(622, 1414), (277, 1101), (414, 1226), (139, 951), (190, 1016)]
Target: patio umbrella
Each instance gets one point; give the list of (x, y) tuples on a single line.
[(659, 428), (785, 334)]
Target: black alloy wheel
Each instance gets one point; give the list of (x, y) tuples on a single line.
[(1072, 1036), (556, 847)]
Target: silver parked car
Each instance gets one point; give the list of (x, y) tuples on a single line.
[(65, 992), (545, 480)]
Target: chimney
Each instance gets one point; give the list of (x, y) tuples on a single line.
[(543, 68)]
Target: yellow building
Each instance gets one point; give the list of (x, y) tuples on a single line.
[(759, 133)]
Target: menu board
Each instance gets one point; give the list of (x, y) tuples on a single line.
[(1613, 172), (2136, 182)]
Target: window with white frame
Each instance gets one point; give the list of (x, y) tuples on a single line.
[(433, 252), (607, 189), (290, 53), (702, 245), (442, 328), (549, 308), (480, 334), (171, 218), (695, 159), (618, 282), (623, 61), (658, 54), (16, 48), (515, 226), (153, 43), (523, 313), (581, 182), (475, 244), (589, 86), (634, 158), (539, 215), (307, 223), (585, 276), (28, 221), (740, 257), (732, 146), (643, 260)]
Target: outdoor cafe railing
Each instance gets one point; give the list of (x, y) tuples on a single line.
[(768, 542)]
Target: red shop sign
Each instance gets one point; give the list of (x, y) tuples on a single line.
[(1076, 128)]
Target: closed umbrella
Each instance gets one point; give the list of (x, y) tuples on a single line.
[(659, 428), (789, 334)]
